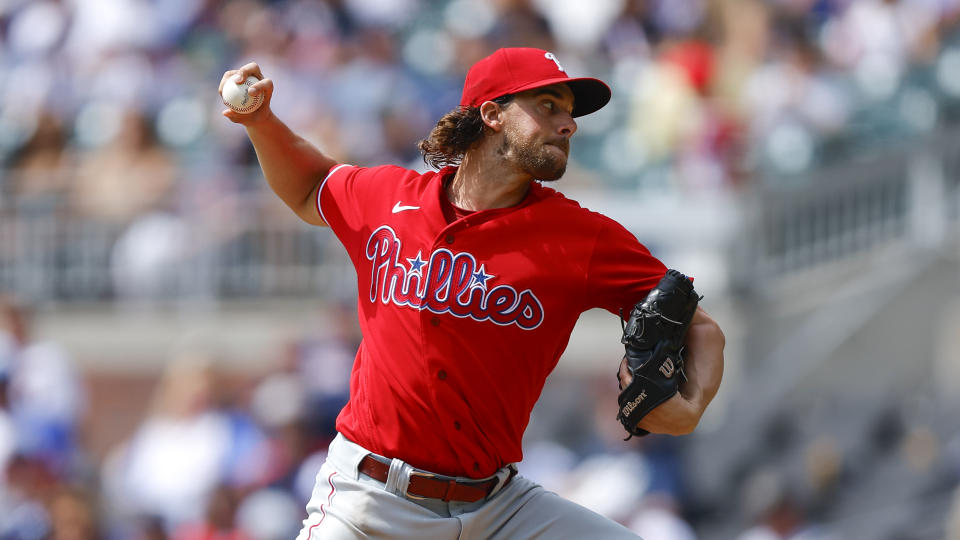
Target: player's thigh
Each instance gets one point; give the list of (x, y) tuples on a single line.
[(342, 508), (328, 526), (329, 509), (537, 513)]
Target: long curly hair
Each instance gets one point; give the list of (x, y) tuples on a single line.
[(454, 134)]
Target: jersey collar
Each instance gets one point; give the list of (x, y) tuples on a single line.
[(536, 193)]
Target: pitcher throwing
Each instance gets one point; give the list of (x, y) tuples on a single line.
[(471, 279)]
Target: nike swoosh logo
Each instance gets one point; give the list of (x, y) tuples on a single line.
[(400, 208)]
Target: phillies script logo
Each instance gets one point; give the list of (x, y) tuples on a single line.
[(446, 283)]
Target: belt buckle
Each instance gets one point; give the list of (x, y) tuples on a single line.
[(415, 472), (502, 479)]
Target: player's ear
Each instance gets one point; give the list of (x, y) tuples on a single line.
[(492, 115)]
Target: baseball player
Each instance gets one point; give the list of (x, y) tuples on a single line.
[(470, 279)]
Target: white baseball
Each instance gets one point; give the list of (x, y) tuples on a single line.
[(236, 97)]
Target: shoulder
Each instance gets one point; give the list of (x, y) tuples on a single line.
[(380, 179), (552, 202), (568, 219), (379, 171)]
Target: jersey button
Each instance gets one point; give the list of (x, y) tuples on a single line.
[(456, 425), (442, 375), (435, 321), (476, 466), (449, 238)]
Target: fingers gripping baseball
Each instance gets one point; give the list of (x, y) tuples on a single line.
[(262, 89)]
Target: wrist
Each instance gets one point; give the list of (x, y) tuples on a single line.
[(260, 119)]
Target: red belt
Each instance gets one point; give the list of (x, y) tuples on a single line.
[(424, 485)]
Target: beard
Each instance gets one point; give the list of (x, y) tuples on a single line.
[(538, 159)]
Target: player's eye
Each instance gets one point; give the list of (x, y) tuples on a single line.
[(549, 105)]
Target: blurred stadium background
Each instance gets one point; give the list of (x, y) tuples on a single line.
[(174, 344)]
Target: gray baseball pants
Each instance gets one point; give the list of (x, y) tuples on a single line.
[(347, 504)]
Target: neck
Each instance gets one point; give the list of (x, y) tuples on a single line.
[(483, 182)]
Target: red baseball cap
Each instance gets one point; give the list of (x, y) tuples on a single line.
[(512, 70)]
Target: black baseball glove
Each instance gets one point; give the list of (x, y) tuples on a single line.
[(653, 337)]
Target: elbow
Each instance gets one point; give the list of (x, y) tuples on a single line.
[(719, 336)]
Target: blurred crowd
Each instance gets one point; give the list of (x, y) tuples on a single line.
[(110, 118), (116, 164), (111, 108), (220, 454), (216, 454)]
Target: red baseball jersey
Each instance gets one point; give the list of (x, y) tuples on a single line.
[(463, 321)]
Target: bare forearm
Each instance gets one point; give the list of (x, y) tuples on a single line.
[(292, 166), (704, 363)]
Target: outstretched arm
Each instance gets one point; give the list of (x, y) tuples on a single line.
[(703, 365), (293, 167)]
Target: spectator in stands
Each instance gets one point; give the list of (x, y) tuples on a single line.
[(878, 39), (658, 516), (8, 432), (46, 395), (146, 257), (29, 485), (270, 514), (219, 522), (181, 452), (130, 175), (792, 102), (40, 169), (41, 401), (777, 511), (74, 515), (519, 21)]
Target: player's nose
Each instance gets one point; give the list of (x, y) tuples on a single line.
[(567, 126)]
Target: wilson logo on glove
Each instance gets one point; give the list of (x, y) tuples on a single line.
[(629, 407), (667, 368)]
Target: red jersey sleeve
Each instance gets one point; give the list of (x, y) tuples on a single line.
[(345, 191), (621, 272), (350, 194)]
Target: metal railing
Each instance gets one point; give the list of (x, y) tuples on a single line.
[(247, 249), (249, 246), (907, 195)]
